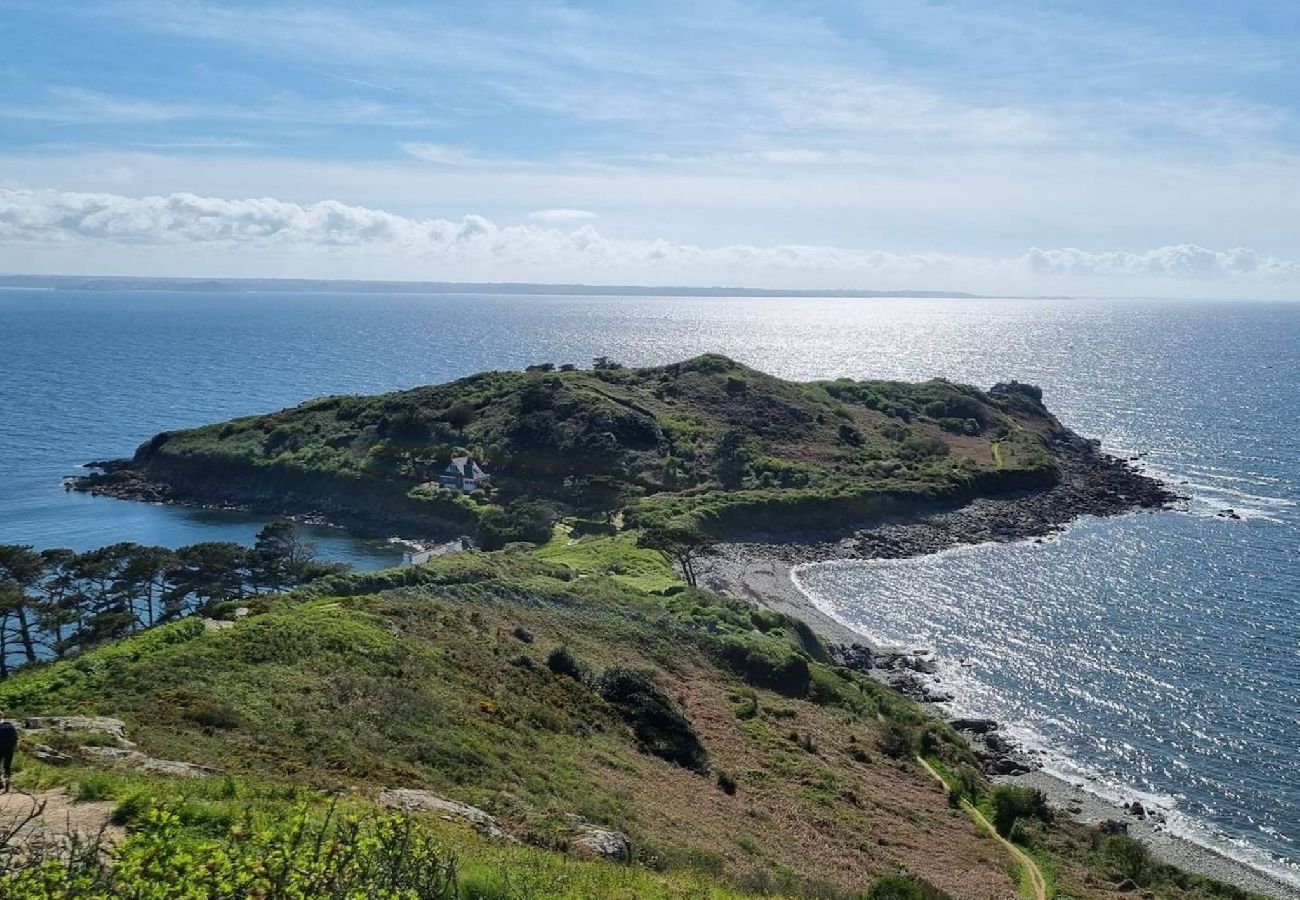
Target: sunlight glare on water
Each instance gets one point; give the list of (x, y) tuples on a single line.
[(1158, 652)]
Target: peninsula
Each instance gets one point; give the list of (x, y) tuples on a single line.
[(706, 444), (563, 710)]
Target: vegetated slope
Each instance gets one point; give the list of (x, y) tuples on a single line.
[(548, 687), (706, 438)]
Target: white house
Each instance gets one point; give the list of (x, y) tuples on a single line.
[(463, 473)]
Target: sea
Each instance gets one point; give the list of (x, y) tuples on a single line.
[(1152, 656)]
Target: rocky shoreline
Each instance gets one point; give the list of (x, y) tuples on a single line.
[(1092, 483), (123, 479)]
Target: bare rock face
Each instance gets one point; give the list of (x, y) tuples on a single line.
[(414, 800), (114, 728), (597, 843), (48, 755), (137, 760), (124, 754)]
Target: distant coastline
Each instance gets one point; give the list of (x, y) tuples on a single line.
[(325, 285)]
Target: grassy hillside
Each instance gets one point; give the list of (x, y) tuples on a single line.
[(578, 682), (706, 439)]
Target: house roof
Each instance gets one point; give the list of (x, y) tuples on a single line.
[(465, 466)]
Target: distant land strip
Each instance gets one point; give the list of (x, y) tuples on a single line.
[(132, 283)]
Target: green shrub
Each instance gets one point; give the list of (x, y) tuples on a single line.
[(529, 521), (826, 688), (1027, 833), (386, 857), (748, 707), (967, 785), (561, 661), (131, 809), (661, 729), (904, 887), (212, 714), (898, 741), (765, 663), (1011, 802), (1125, 857), (727, 782), (96, 786)]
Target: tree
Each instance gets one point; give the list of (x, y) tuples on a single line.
[(730, 460), (57, 601), (281, 555), (209, 572), (20, 568), (605, 364), (523, 520), (144, 575), (598, 495), (113, 595), (683, 544), (461, 415), (61, 604)]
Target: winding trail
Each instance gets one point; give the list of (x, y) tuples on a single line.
[(1026, 862)]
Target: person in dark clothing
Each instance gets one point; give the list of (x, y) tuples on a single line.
[(8, 744)]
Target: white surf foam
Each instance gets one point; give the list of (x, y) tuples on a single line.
[(957, 680)]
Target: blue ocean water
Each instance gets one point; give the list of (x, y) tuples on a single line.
[(1158, 654)]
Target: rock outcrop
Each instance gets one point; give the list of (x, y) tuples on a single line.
[(415, 800), (114, 728), (136, 760), (598, 843)]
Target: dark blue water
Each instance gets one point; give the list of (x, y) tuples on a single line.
[(1159, 654)]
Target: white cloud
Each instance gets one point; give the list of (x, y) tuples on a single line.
[(443, 154), (858, 105), (77, 106), (62, 216), (562, 216), (1180, 261), (338, 238)]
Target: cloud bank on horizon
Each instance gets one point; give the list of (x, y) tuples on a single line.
[(983, 145), (371, 242)]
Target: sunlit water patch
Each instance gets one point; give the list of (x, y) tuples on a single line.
[(1158, 650), (1149, 657)]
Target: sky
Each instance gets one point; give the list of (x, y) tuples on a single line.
[(1001, 146)]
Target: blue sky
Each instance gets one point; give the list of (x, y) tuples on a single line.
[(994, 146)]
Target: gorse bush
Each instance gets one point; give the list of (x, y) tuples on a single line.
[(727, 782), (1124, 857), (898, 741), (659, 726), (1012, 803), (561, 661), (766, 663), (904, 887)]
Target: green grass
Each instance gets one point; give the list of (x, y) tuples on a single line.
[(418, 677), (434, 677), (203, 840), (615, 555)]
